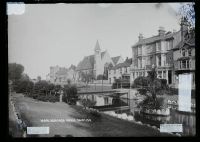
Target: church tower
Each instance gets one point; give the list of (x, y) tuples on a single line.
[(97, 57)]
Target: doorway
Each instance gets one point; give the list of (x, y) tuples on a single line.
[(169, 77)]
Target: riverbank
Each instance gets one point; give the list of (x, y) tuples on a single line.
[(100, 126)]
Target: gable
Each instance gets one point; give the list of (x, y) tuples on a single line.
[(86, 63)]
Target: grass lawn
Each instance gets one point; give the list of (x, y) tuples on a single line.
[(33, 111)]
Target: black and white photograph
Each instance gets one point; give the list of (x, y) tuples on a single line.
[(101, 69)]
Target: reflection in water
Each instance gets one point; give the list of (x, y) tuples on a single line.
[(187, 120)]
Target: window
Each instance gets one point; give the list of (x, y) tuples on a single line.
[(133, 75), (151, 60), (190, 64), (106, 100), (140, 62), (183, 52), (140, 73), (158, 46), (159, 74), (189, 52), (159, 60), (125, 70), (169, 44), (139, 50), (114, 71), (184, 64), (164, 74), (120, 70)]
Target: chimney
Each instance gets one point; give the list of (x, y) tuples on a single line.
[(140, 37), (161, 31), (184, 28)]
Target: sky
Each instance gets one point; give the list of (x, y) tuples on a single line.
[(45, 35)]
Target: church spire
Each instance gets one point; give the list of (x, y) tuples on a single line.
[(97, 47)]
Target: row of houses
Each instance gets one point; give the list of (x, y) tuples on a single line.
[(172, 53)]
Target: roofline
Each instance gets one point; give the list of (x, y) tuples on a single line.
[(137, 43)]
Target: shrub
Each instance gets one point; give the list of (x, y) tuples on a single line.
[(53, 98), (70, 94), (142, 91), (100, 77), (87, 103), (95, 114), (149, 103), (42, 98), (141, 81)]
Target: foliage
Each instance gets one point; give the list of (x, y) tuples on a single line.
[(142, 91), (87, 77), (39, 78), (141, 81), (70, 94), (23, 86), (87, 102), (150, 103), (154, 86), (100, 77), (187, 11), (49, 98), (41, 90), (15, 71)]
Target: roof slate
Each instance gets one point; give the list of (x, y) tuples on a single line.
[(126, 63), (115, 59), (152, 39), (86, 63)]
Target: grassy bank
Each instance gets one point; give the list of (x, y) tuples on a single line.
[(102, 125)]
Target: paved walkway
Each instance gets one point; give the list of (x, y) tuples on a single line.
[(34, 111)]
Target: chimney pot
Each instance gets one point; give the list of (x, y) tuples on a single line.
[(161, 31), (140, 36)]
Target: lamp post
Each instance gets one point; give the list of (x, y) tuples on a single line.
[(102, 84)]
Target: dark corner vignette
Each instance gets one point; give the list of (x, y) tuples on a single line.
[(102, 70)]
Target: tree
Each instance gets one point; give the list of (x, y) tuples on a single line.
[(25, 77), (70, 94), (24, 86), (141, 81), (187, 11), (87, 77), (15, 71), (87, 103), (155, 86), (39, 78), (100, 77), (68, 81), (57, 89)]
